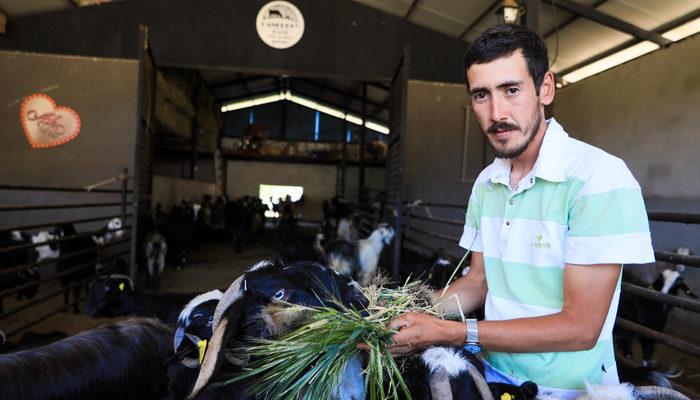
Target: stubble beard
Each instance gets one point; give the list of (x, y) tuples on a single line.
[(507, 153)]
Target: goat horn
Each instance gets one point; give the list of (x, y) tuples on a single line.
[(480, 382), (658, 393), (120, 276), (440, 384), (210, 359), (232, 294)]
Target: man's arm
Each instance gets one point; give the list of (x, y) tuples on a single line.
[(588, 291), (470, 289)]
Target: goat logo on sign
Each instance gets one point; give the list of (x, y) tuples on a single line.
[(280, 24), (45, 124)]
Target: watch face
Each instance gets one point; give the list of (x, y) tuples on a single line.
[(472, 348)]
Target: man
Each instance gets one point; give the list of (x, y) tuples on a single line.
[(549, 223)]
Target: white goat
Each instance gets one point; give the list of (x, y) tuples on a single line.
[(359, 259)]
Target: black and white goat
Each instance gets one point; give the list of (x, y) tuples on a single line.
[(113, 230), (125, 360), (155, 249), (647, 312), (116, 295), (9, 260), (348, 228), (359, 259), (250, 307), (192, 334)]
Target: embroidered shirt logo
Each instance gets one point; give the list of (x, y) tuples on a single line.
[(539, 244)]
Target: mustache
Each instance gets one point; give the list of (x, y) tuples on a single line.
[(502, 126)]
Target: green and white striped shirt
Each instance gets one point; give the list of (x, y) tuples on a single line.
[(578, 205)]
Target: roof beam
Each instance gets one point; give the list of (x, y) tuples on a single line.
[(239, 81), (414, 3), (610, 21), (668, 26), (245, 84), (339, 106), (351, 96), (478, 19), (569, 20)]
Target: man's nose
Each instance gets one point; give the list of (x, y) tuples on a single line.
[(499, 109)]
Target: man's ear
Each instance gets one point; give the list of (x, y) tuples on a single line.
[(547, 89)]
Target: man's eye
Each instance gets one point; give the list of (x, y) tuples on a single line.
[(512, 90), (480, 96)]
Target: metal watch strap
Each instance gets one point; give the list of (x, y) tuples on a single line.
[(472, 331)]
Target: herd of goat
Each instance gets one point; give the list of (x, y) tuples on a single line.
[(175, 345)]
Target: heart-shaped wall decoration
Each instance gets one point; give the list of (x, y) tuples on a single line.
[(45, 124)]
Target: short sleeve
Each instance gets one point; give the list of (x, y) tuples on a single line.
[(471, 237), (607, 221)]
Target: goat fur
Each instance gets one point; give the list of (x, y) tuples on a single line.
[(125, 360)]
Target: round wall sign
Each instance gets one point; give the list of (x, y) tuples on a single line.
[(280, 24)]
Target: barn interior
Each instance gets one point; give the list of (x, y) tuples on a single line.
[(193, 126)]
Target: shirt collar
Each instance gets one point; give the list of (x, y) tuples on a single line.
[(550, 164)]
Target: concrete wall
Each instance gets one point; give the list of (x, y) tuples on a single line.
[(437, 169), (646, 112), (103, 93), (169, 191), (245, 177), (176, 168)]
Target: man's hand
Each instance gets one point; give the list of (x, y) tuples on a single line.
[(418, 331)]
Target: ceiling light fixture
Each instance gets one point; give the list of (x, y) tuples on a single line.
[(510, 11), (630, 53), (305, 102)]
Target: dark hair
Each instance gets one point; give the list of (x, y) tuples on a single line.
[(501, 41)]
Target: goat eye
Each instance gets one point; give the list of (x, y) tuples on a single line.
[(210, 319), (279, 295)]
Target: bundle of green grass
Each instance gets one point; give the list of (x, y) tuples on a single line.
[(308, 361)]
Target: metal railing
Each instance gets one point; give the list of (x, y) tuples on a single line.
[(679, 302), (103, 252)]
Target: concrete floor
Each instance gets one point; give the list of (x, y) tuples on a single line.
[(214, 266)]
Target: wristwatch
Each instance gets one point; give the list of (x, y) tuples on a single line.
[(472, 339)]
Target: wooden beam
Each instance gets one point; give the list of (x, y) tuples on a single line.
[(610, 21), (411, 9)]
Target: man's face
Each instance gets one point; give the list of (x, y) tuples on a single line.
[(506, 103)]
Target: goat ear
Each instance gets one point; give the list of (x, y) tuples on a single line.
[(353, 296), (230, 326)]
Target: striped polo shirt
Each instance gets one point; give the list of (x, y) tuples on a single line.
[(578, 205)]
